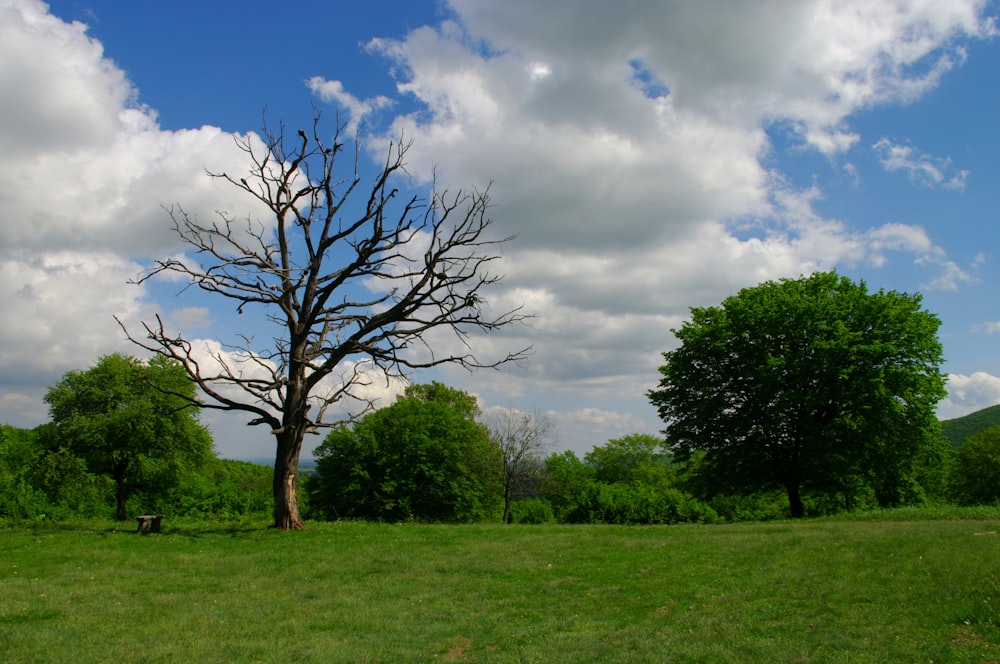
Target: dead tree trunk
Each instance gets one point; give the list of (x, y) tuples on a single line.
[(286, 481), (352, 290)]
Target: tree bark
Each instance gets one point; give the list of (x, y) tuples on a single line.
[(795, 507), (507, 500), (121, 497), (121, 491), (286, 481)]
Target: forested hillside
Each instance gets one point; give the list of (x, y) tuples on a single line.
[(960, 428)]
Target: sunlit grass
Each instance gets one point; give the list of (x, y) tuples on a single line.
[(905, 590)]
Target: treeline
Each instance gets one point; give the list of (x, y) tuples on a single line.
[(630, 480), (39, 480), (124, 439), (119, 447), (432, 457)]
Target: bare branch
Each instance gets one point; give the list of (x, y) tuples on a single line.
[(353, 282)]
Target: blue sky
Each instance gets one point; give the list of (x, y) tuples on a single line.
[(650, 156)]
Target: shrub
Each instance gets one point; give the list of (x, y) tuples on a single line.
[(635, 504), (974, 477), (69, 488), (532, 510), (753, 507), (423, 458), (223, 488)]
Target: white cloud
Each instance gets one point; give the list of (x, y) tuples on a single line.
[(628, 144), (58, 310), (820, 60), (950, 275), (578, 430), (190, 318), (84, 180), (967, 394), (53, 67), (991, 327), (631, 206), (356, 109), (922, 169)]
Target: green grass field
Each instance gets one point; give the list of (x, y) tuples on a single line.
[(814, 591)]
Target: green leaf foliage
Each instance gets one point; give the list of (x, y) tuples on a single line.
[(220, 489), (974, 477), (532, 511), (812, 384), (634, 459), (627, 482), (131, 421), (424, 458), (567, 483)]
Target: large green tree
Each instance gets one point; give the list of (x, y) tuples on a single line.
[(423, 458), (809, 383), (130, 420)]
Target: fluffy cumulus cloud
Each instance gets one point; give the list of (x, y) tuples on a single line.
[(85, 178), (969, 393), (628, 143), (629, 147)]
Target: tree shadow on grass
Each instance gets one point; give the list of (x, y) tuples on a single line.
[(183, 527)]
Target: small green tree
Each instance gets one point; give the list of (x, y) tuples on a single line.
[(124, 418), (566, 484), (806, 383), (638, 458), (424, 458), (18, 451), (974, 477)]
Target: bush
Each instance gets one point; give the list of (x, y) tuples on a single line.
[(222, 489), (635, 504), (69, 488), (20, 501), (754, 507), (423, 458), (532, 510), (974, 477)]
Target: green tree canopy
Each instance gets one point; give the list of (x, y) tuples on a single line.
[(423, 458), (806, 383), (130, 420), (567, 482), (974, 476), (638, 458)]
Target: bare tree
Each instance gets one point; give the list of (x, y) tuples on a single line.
[(354, 289), (518, 440)]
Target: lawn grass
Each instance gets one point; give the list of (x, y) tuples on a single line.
[(812, 591)]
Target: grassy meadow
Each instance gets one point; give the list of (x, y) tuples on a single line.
[(884, 589)]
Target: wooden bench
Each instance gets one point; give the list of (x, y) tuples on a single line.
[(149, 523)]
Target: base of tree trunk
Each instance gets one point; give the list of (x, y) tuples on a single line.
[(287, 526), (286, 500)]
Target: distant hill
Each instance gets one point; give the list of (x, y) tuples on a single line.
[(960, 428)]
